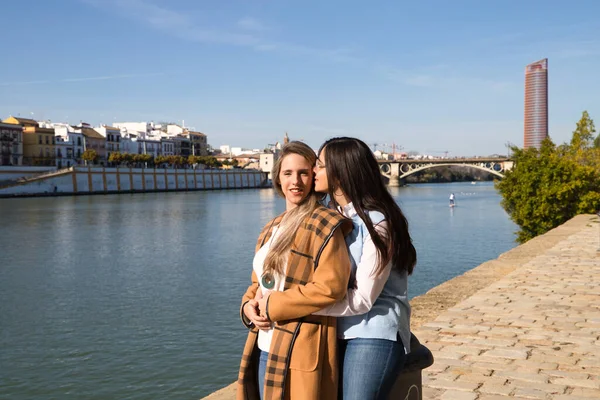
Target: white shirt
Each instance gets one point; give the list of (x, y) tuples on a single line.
[(264, 337), (368, 285)]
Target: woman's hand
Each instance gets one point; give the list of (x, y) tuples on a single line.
[(262, 304), (251, 311)]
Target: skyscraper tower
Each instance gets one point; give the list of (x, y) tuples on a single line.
[(536, 104)]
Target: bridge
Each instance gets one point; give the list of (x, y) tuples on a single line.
[(400, 169)]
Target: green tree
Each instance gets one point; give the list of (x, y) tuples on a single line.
[(90, 155), (142, 158), (160, 160), (115, 157), (146, 158), (191, 160), (583, 135), (209, 161), (180, 161), (547, 187), (127, 158), (584, 146), (176, 161)]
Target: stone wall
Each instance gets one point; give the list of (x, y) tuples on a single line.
[(89, 180)]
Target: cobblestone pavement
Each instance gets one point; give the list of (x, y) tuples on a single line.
[(534, 334)]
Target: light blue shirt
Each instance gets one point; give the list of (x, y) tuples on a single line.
[(390, 313)]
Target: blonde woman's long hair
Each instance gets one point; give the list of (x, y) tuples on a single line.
[(278, 253)]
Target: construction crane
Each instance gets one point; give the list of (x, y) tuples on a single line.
[(395, 148), (388, 148), (374, 146)]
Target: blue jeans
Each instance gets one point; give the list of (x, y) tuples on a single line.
[(369, 367), (262, 368)]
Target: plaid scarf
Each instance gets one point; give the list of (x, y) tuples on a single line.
[(310, 240)]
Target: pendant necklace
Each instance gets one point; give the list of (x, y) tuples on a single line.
[(268, 281)]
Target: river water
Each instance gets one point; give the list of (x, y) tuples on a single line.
[(137, 296)]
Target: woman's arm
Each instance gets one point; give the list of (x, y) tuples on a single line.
[(368, 287), (249, 295), (249, 308), (328, 285)]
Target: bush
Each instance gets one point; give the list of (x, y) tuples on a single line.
[(549, 186), (90, 155)]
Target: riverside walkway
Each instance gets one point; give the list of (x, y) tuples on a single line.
[(533, 334), (523, 326)]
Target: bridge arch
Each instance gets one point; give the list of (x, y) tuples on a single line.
[(407, 169)]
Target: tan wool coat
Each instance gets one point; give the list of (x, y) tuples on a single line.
[(302, 361)]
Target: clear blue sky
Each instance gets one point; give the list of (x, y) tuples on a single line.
[(430, 76)]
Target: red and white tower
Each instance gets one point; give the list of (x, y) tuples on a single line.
[(536, 104)]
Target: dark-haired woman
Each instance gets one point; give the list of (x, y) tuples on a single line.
[(374, 317)]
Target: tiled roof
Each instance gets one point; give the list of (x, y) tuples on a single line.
[(26, 121), (89, 132)]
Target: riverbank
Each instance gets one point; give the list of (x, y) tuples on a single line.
[(534, 333), (99, 180), (539, 300)]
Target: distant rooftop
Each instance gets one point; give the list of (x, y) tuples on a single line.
[(196, 133), (25, 121), (91, 133), (112, 128)]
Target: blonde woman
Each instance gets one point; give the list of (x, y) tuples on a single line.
[(301, 266)]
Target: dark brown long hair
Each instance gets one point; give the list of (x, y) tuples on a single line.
[(351, 166)]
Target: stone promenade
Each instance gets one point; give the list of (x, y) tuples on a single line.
[(523, 326), (533, 334)]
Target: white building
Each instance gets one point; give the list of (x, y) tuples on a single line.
[(128, 144), (225, 149), (140, 129), (65, 157), (237, 151), (145, 146), (69, 145), (381, 155), (162, 139), (266, 162), (113, 138), (174, 130), (167, 146), (139, 137)]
